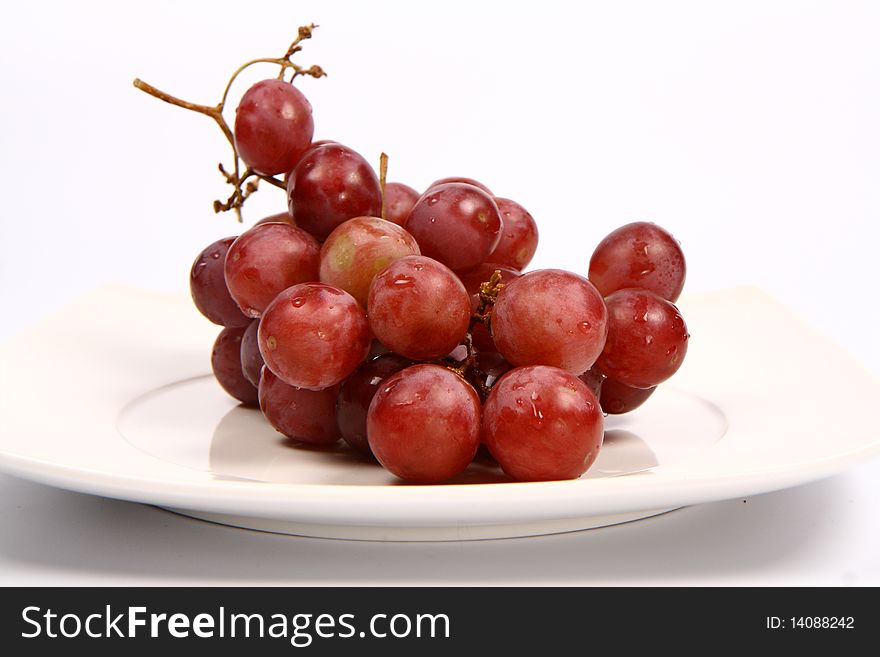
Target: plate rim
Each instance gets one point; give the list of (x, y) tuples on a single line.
[(173, 485)]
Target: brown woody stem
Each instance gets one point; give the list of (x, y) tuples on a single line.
[(383, 174), (215, 112)]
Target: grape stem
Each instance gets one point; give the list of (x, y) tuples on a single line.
[(488, 295), (461, 367), (242, 186), (383, 174)]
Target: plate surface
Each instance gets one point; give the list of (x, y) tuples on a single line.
[(112, 397)]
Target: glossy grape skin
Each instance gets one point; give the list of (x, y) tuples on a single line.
[(331, 184), (251, 358), (550, 317), (642, 255), (419, 308), (265, 260), (377, 349), (207, 284), (424, 424), (360, 248), (617, 398), (226, 365), (273, 126), (489, 367), (519, 235), (280, 218), (308, 416), (595, 379), (542, 423), (463, 180), (314, 335), (356, 394), (647, 339), (457, 224), (399, 202), (481, 338)]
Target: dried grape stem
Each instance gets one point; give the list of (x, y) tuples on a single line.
[(215, 112), (488, 295), (383, 174)]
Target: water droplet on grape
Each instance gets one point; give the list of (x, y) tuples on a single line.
[(585, 327), (298, 302), (537, 412), (649, 339), (321, 335), (671, 350), (403, 281)]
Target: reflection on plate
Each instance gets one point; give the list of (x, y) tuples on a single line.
[(237, 443), (124, 410)]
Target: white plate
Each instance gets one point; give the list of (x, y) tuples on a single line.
[(112, 397)]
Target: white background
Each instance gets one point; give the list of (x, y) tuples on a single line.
[(748, 129)]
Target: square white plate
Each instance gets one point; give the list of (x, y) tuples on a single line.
[(112, 396)]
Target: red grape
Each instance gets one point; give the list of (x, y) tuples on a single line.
[(424, 424), (519, 235), (647, 339), (399, 201), (356, 394), (594, 378), (251, 358), (207, 285), (489, 366), (617, 398), (308, 416), (267, 259), (280, 218), (226, 364), (457, 224), (542, 423), (331, 184), (481, 338), (273, 126), (550, 317), (639, 255), (360, 248), (314, 335), (463, 180), (419, 308), (377, 349)]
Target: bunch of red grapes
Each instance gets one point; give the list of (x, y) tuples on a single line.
[(402, 322)]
